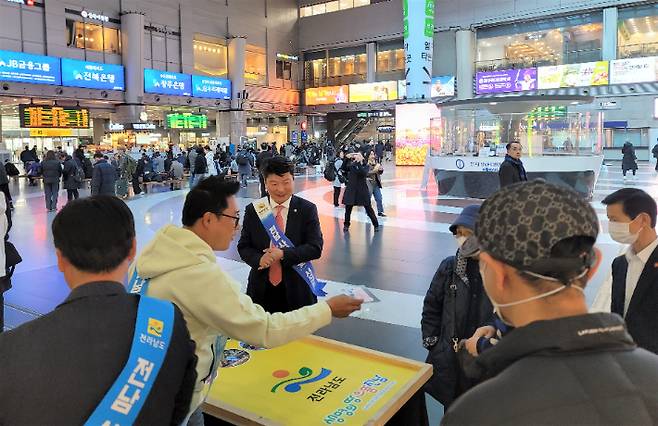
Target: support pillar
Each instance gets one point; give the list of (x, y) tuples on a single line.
[(132, 55), (371, 58), (99, 130), (609, 42), (465, 40), (236, 65)]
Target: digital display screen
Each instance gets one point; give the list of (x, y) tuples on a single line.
[(574, 75), (413, 132), (327, 95), (167, 83), (34, 116), (187, 121), (634, 70), (210, 87), (27, 68), (370, 92), (92, 75), (506, 81)]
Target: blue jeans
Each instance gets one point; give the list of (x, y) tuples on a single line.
[(377, 193)]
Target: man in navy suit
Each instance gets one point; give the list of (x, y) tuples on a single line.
[(632, 213), (273, 283)]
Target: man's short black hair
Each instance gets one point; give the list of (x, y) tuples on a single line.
[(509, 145), (95, 234), (210, 195), (277, 165), (634, 202), (98, 155)]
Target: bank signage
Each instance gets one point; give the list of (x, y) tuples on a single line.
[(504, 81), (28, 68), (634, 70), (92, 75), (211, 87), (167, 83)]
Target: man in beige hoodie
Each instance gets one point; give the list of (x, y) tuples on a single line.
[(179, 264)]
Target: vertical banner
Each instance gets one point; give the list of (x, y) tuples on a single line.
[(418, 29)]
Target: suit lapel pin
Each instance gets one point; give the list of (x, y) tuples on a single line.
[(655, 265), (295, 211)]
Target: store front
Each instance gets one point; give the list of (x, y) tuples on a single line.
[(346, 127), (267, 128)]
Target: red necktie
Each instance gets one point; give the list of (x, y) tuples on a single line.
[(276, 273)]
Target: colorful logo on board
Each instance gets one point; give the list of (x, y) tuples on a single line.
[(295, 384)]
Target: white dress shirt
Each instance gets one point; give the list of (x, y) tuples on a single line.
[(636, 264), (284, 211)]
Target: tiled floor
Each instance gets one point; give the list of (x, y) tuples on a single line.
[(396, 264)]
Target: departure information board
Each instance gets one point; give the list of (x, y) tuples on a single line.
[(37, 116), (187, 121)]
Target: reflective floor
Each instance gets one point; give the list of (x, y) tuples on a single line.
[(396, 264)]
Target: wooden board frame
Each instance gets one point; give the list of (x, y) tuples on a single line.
[(241, 417)]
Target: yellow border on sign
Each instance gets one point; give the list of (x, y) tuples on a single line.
[(242, 417)]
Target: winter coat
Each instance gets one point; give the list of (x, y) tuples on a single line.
[(70, 167), (453, 309), (200, 166), (375, 178), (654, 151), (158, 165), (356, 189), (245, 169), (51, 171), (511, 171), (192, 157), (629, 160), (4, 178), (210, 161), (581, 369), (104, 179)]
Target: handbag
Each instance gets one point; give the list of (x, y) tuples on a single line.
[(12, 257)]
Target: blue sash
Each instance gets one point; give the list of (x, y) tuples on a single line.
[(125, 399), (279, 240)]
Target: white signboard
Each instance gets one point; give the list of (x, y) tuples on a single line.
[(635, 70)]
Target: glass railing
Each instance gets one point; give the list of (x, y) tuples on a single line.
[(569, 57), (638, 50)]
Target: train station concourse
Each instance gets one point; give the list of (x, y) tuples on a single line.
[(312, 212)]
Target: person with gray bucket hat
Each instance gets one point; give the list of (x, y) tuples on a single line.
[(454, 308), (559, 365)]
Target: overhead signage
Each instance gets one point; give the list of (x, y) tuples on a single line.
[(635, 70), (574, 75), (504, 81), (27, 68), (23, 2), (372, 92), (47, 133), (385, 129), (92, 75), (327, 95), (95, 16), (211, 87), (374, 114), (143, 126), (609, 105), (547, 113), (116, 127), (53, 117), (418, 32), (187, 121), (284, 57), (167, 83)]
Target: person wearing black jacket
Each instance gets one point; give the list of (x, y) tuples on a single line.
[(629, 159), (654, 151), (51, 169), (264, 154), (199, 168), (67, 360), (103, 181), (71, 184), (454, 308), (356, 190), (560, 365), (512, 170)]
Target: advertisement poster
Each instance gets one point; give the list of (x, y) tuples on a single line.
[(635, 70), (312, 381), (211, 87), (412, 132), (26, 68), (418, 32), (506, 81), (371, 92), (442, 86), (574, 75), (92, 75), (167, 83), (327, 95)]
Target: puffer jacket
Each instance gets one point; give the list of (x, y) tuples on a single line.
[(51, 170), (582, 370), (454, 307), (104, 179)]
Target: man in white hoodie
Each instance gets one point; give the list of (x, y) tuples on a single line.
[(179, 265)]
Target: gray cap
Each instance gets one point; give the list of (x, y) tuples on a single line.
[(520, 224)]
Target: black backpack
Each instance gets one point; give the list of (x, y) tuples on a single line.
[(330, 171), (243, 160), (11, 169)]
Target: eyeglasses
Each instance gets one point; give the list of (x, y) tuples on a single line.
[(236, 218)]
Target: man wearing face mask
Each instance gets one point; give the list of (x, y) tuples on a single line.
[(559, 365), (454, 307), (632, 214)]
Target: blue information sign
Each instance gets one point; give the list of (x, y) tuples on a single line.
[(27, 68), (167, 83), (211, 87), (92, 75)]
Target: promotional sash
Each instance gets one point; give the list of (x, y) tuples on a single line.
[(279, 240), (125, 399)]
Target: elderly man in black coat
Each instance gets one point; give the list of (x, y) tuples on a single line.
[(103, 180), (356, 190), (512, 170)]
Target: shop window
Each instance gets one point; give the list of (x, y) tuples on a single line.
[(83, 35), (306, 11), (255, 66), (315, 69), (541, 43), (332, 6), (210, 58), (319, 9), (283, 70), (638, 32)]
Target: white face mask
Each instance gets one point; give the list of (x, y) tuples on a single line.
[(621, 232), (460, 240)]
